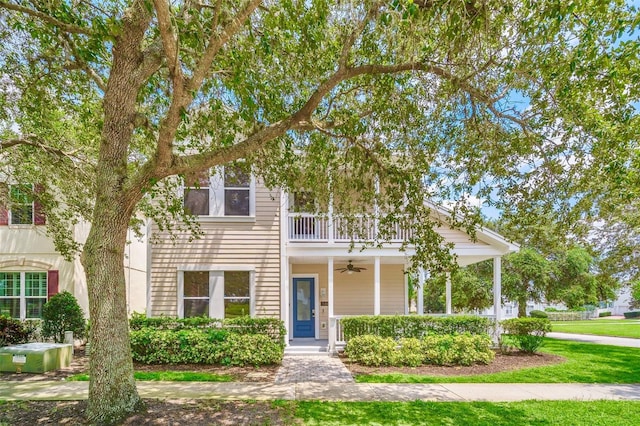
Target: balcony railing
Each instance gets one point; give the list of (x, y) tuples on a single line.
[(314, 228)]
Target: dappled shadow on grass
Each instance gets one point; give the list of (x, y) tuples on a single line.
[(476, 413)]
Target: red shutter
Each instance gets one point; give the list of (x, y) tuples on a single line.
[(38, 213), (4, 213), (52, 283)]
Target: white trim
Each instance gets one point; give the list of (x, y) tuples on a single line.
[(223, 268), (284, 267), (316, 290), (497, 288), (420, 302), (227, 219), (216, 287), (149, 246), (376, 285), (406, 291), (448, 293)]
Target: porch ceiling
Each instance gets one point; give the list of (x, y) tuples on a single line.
[(356, 258)]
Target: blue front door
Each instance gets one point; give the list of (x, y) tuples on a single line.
[(303, 307)]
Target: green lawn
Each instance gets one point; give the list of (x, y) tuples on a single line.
[(608, 413), (618, 328), (168, 376), (585, 363)]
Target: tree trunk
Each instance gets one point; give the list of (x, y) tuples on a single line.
[(522, 307), (112, 389)]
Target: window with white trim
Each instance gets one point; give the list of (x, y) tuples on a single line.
[(230, 192), (217, 294), (21, 204), (23, 294)]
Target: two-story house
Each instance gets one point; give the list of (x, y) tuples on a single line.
[(32, 270), (263, 254)]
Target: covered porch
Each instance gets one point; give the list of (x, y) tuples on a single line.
[(317, 291)]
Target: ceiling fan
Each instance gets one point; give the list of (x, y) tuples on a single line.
[(350, 269)]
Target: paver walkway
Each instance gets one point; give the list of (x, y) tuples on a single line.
[(600, 340), (312, 368)]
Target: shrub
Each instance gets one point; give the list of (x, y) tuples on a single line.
[(272, 327), (13, 331), (62, 313), (526, 334), (461, 349), (416, 326), (539, 314), (632, 314), (371, 350), (203, 346), (604, 314)]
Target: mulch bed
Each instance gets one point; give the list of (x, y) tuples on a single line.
[(502, 362)]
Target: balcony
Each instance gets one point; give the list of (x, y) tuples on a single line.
[(309, 227)]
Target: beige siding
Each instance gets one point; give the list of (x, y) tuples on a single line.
[(245, 244)]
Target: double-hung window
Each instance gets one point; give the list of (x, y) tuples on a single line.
[(229, 192), (21, 205), (214, 293), (23, 294)]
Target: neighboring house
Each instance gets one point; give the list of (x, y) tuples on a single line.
[(260, 255), (31, 270)]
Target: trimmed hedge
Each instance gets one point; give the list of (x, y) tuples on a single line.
[(538, 314), (415, 326), (461, 349), (526, 334), (632, 314), (203, 346), (570, 315), (604, 314), (272, 327)]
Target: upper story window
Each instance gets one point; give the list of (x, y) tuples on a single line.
[(21, 205), (22, 208), (229, 192)]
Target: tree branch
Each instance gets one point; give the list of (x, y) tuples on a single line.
[(78, 61), (37, 142), (170, 44), (64, 26)]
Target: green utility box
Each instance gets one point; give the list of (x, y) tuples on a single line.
[(37, 357)]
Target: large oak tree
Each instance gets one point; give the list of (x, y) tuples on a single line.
[(104, 101)]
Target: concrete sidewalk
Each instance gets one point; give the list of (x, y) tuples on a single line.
[(496, 392), (600, 340)]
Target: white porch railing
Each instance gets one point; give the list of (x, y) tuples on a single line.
[(336, 333), (310, 227)]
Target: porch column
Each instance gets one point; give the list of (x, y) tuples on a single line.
[(497, 287), (448, 292), (420, 291), (376, 286), (330, 224), (332, 320)]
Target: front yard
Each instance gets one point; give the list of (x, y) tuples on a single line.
[(575, 363), (606, 327), (205, 412)]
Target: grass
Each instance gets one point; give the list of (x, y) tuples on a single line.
[(616, 328), (168, 376), (585, 363), (611, 413)]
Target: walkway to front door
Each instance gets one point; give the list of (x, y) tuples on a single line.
[(312, 368)]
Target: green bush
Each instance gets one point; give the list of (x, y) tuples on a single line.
[(604, 314), (526, 334), (538, 314), (371, 350), (272, 327), (62, 313), (203, 346), (13, 331), (632, 314), (416, 326), (460, 349)]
